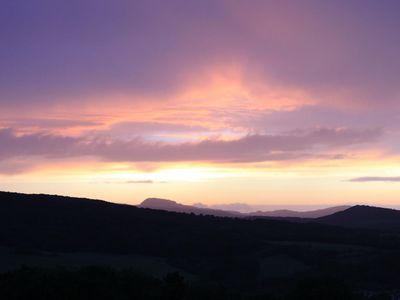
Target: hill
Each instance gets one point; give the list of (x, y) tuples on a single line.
[(58, 223), (366, 217), (239, 254)]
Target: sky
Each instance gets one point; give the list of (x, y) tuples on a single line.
[(281, 103)]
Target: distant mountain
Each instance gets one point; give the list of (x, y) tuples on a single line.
[(366, 217), (300, 214), (251, 208), (169, 205), (198, 208), (239, 207)]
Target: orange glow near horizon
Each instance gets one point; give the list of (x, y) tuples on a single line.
[(308, 182)]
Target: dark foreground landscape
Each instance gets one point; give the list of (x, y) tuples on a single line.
[(54, 247)]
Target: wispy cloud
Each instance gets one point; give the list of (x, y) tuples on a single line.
[(134, 182), (376, 179), (139, 181)]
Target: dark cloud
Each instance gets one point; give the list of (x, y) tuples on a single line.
[(251, 148), (376, 179)]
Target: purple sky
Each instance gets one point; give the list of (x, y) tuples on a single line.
[(250, 89)]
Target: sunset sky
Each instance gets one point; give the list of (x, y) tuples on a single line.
[(261, 102)]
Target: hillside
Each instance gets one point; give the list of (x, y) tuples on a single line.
[(250, 255), (58, 223), (365, 216)]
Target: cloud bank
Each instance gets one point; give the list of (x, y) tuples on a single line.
[(250, 148)]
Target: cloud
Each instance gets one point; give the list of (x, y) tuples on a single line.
[(15, 167), (143, 181), (139, 181), (60, 52), (37, 144), (251, 148), (48, 123), (135, 182), (142, 128), (312, 116), (376, 179)]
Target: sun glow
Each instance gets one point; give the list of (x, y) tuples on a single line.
[(180, 174)]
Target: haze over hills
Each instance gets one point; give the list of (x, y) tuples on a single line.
[(169, 205)]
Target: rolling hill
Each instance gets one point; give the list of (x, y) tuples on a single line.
[(58, 223), (365, 217), (239, 254)]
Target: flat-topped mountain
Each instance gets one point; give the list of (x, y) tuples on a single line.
[(158, 202)]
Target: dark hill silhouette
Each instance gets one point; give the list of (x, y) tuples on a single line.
[(236, 253), (365, 216), (170, 205), (58, 223)]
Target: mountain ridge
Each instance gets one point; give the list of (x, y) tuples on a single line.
[(173, 206), (170, 205)]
